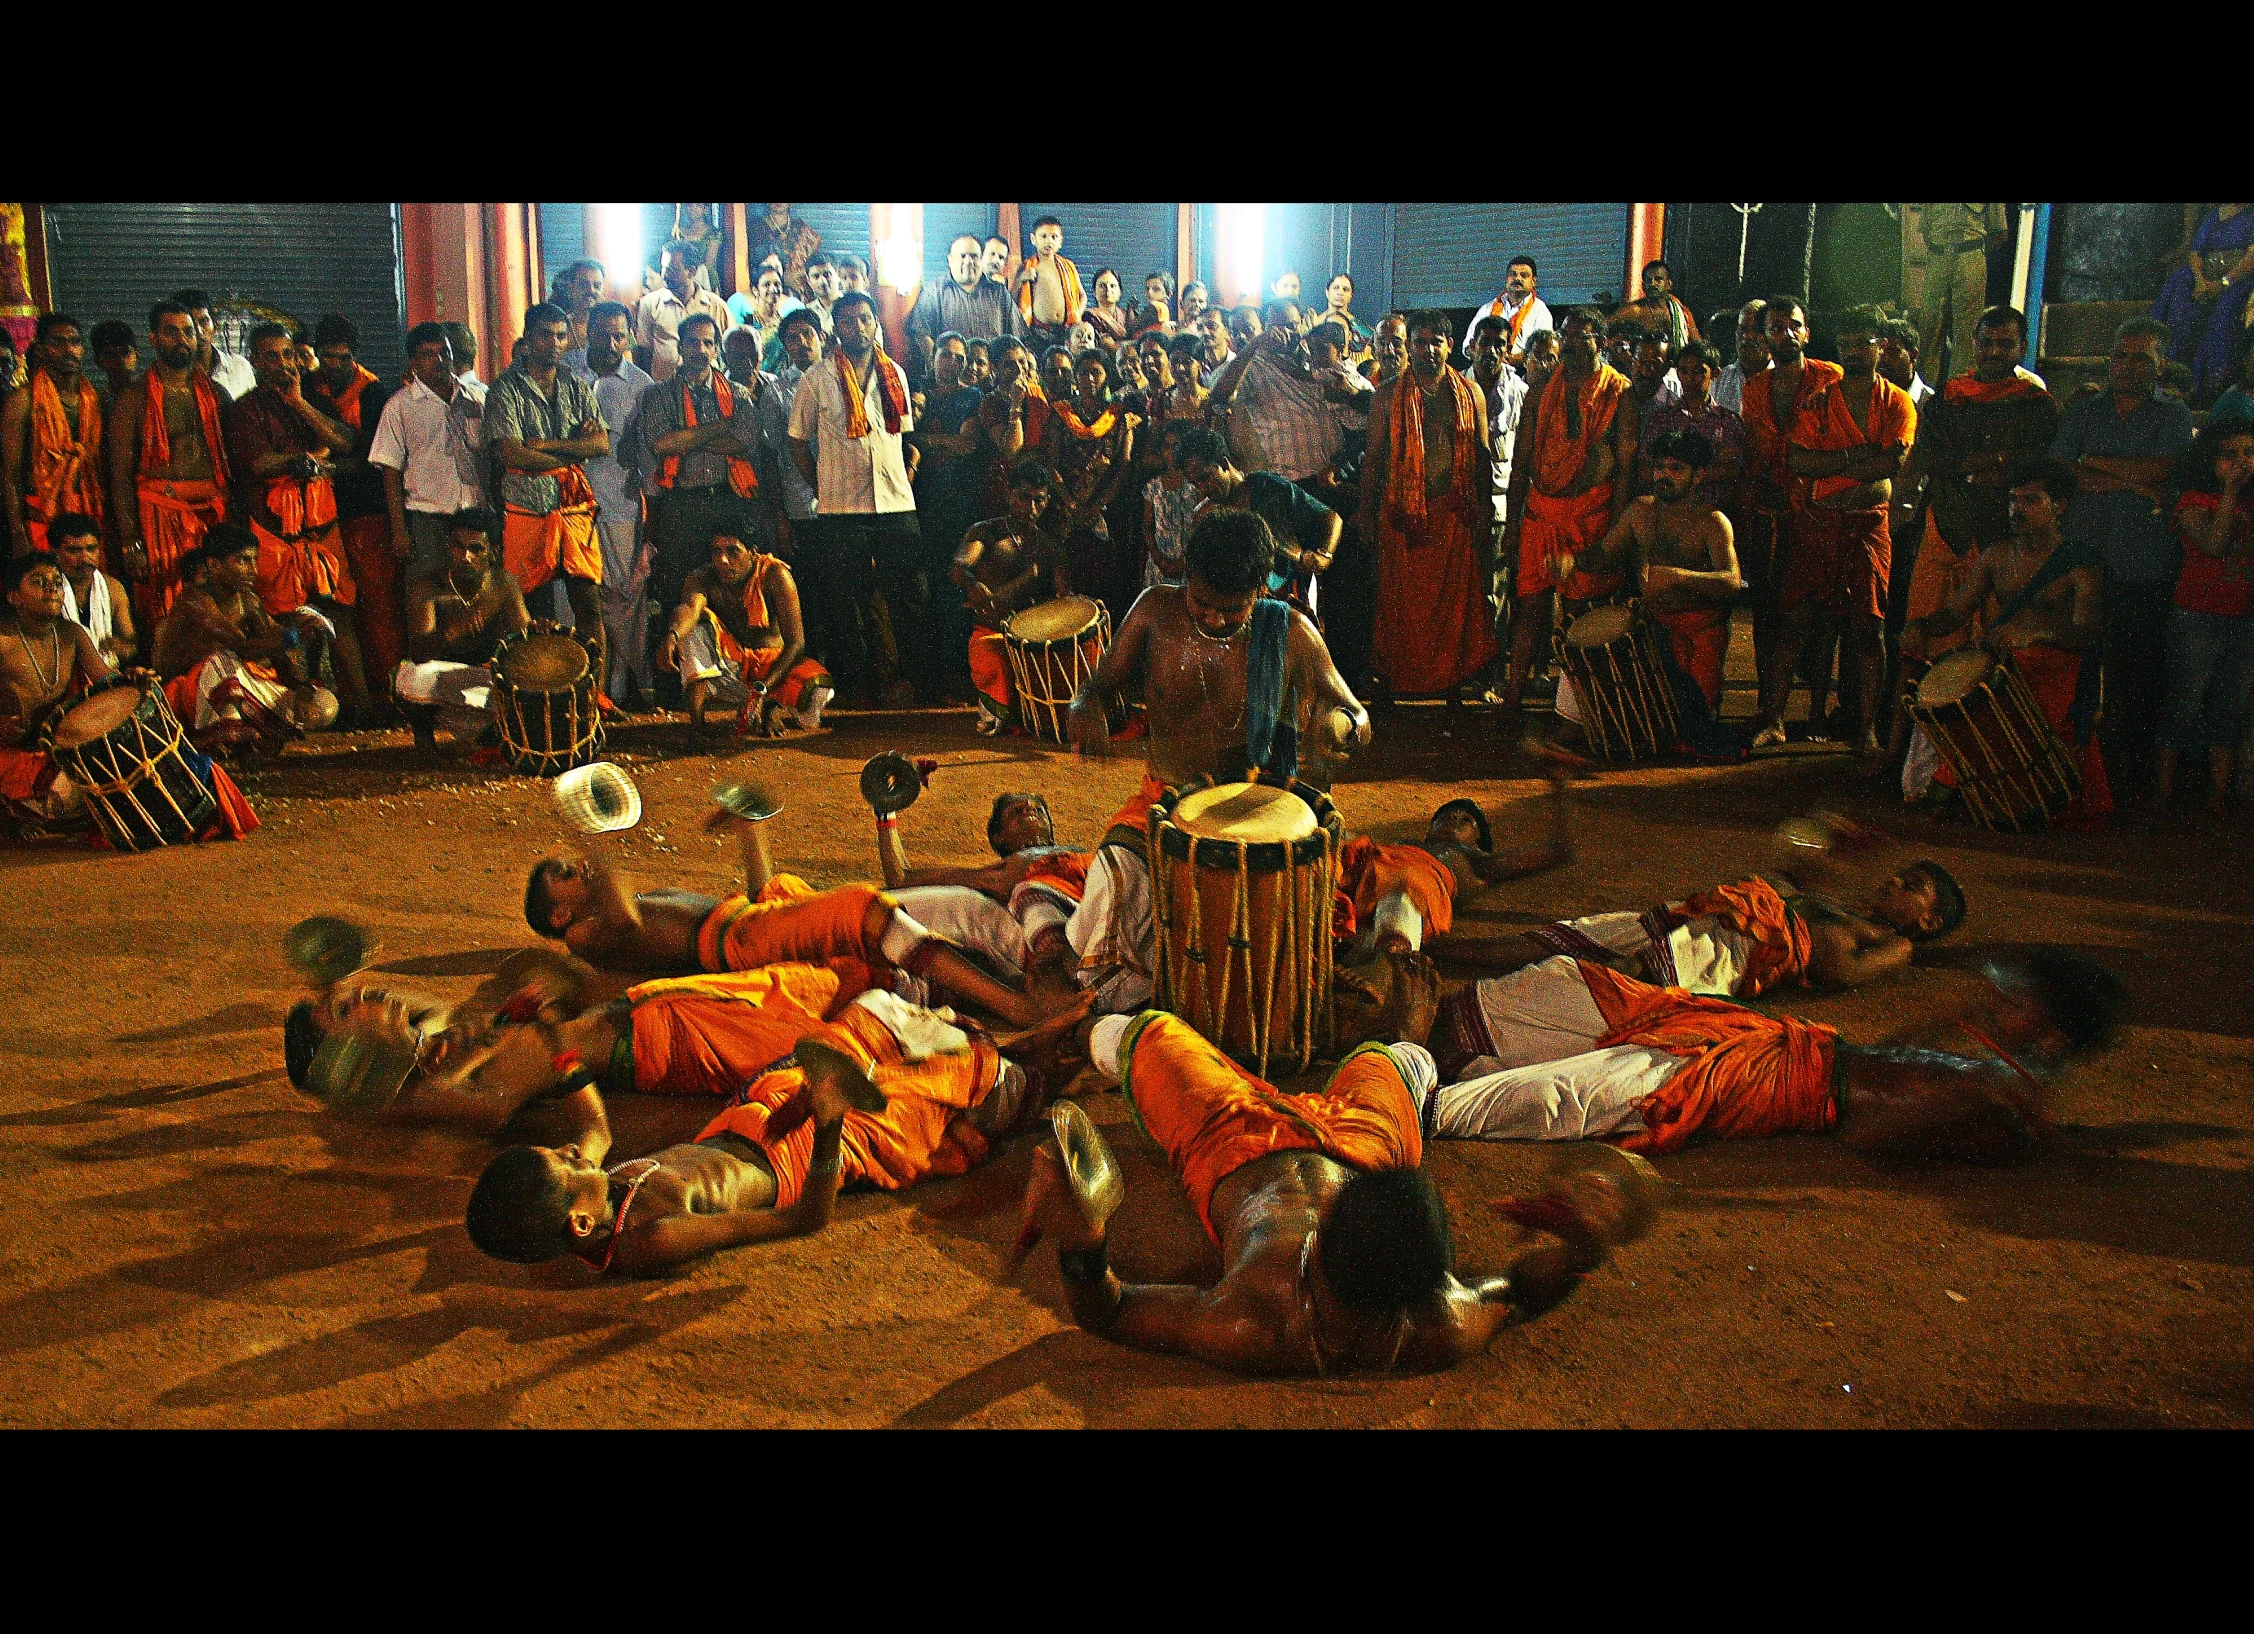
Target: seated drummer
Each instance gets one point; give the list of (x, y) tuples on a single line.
[(2042, 600), (1403, 892), (455, 620), (231, 671), (95, 599), (1006, 564), (738, 639), (1335, 1245), (44, 659), (591, 906)]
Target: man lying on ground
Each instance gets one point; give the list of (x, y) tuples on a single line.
[(1403, 892)]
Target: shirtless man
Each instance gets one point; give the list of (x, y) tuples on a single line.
[(738, 638), (1684, 556), (1008, 563), (231, 670), (1401, 893), (96, 600), (1335, 1245), (51, 438), (168, 481), (454, 623), (44, 658)]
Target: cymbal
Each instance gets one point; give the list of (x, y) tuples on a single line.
[(1640, 1183), (354, 1074), (746, 800), (890, 782), (325, 948), (598, 798), (1097, 1185)]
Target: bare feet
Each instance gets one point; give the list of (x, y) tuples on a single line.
[(1770, 736), (836, 1083)]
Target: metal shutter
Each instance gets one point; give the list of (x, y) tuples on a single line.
[(563, 240), (116, 260), (944, 223), (1131, 237), (844, 227), (1456, 254)]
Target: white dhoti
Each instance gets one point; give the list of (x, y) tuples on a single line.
[(970, 919), (1535, 1072), (1702, 954), (461, 693), (625, 600), (1113, 932), (227, 689), (699, 660)]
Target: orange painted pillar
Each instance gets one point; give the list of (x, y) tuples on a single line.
[(442, 247), (1009, 226), (1647, 240), (508, 285), (888, 222)]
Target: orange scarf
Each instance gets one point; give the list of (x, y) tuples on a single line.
[(57, 469), (1558, 453), (1079, 427), (741, 477), (856, 406), (156, 441), (301, 503), (1964, 389), (348, 400), (1404, 484), (1075, 298)]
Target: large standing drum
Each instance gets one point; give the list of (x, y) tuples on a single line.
[(2009, 765), (544, 702), (1053, 649), (125, 750), (1242, 880), (1627, 706)]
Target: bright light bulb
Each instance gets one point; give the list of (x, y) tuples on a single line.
[(618, 243), (1243, 248), (900, 263)]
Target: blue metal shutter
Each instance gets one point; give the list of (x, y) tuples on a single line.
[(1131, 237), (946, 222), (117, 260), (844, 227), (563, 240), (1456, 254)]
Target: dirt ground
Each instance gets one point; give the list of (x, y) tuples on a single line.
[(192, 1243)]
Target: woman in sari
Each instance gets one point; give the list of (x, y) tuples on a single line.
[(1338, 300), (2204, 301), (1105, 315)]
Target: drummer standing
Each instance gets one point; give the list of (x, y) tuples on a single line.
[(454, 622), (44, 658), (1006, 564)]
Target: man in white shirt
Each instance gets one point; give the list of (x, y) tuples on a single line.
[(657, 326), (1518, 306), (230, 371), (1752, 357), (619, 385), (426, 446), (847, 423)]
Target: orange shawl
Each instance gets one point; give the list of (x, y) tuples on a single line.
[(1369, 872), (61, 476), (1558, 454), (1081, 428), (1404, 466), (856, 407), (1823, 423), (1759, 413), (1075, 298), (156, 441), (1964, 389), (1754, 909), (741, 477), (348, 400)]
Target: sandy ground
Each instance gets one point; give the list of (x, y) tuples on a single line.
[(189, 1242)]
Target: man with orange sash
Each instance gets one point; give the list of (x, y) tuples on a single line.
[(169, 477), (1335, 1245), (1849, 438), (1570, 498), (542, 424), (2041, 602), (739, 640), (51, 438), (1769, 406), (352, 396), (283, 450), (1583, 1053), (1428, 501), (1004, 565)]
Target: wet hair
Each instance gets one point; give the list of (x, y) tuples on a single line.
[(544, 312), (1471, 809), (540, 898), (1230, 551), (1490, 325), (1384, 1241), (1002, 803), (1030, 470), (335, 328), (421, 335), (167, 308), (266, 332), (1693, 449), (1862, 320), (1948, 899), (1204, 443), (852, 297), (475, 517), (73, 525), (2056, 477), (518, 1211), (609, 309), (220, 541), (49, 322), (2082, 997), (1698, 351), (1997, 316), (301, 1036), (2196, 471)]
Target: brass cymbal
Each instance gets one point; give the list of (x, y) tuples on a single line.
[(325, 948), (890, 782), (1640, 1183), (598, 798), (746, 800), (1097, 1185)]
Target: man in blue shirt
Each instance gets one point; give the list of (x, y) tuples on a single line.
[(2124, 443)]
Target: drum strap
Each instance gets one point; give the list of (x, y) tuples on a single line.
[(1271, 730)]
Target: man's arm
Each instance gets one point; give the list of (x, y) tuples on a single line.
[(1552, 852), (1618, 540), (802, 456), (1121, 668), (1718, 583), (1952, 615), (124, 640), (424, 641), (685, 618), (124, 433), (395, 501), (679, 1238), (1379, 452), (2076, 597), (15, 444), (1851, 953), (1346, 724)]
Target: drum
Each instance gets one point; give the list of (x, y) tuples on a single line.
[(1054, 648), (544, 702), (2009, 765), (1627, 706), (1242, 880), (125, 750)]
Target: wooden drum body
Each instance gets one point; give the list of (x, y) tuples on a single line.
[(1053, 649), (125, 750), (1627, 706), (2009, 765), (1242, 876), (544, 702)]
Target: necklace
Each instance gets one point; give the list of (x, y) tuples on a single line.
[(54, 656)]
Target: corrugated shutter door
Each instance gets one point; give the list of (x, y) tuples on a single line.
[(117, 260), (1131, 236), (844, 227), (1456, 254), (563, 239), (946, 222)]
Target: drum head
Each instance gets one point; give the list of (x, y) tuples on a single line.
[(97, 716), (1600, 626), (1057, 620), (542, 663), (1952, 677), (1252, 812)]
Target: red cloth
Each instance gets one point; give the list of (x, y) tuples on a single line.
[(1839, 560), (1431, 585), (1135, 814), (235, 816), (375, 579), (293, 571), (26, 774), (1700, 640), (990, 668), (1554, 525), (1064, 872), (1765, 437), (175, 516), (1369, 872), (2217, 584), (1822, 424)]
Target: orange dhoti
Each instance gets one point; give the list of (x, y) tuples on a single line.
[(990, 670), (711, 1035), (1840, 560), (1435, 628), (1698, 640), (1130, 824), (375, 580), (1776, 943), (1368, 873), (304, 560), (537, 548), (175, 516), (1555, 527), (1213, 1117), (1940, 571), (792, 922)]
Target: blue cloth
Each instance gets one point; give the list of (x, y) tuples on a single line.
[(2210, 680), (2207, 335), (1271, 735), (2129, 533)]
